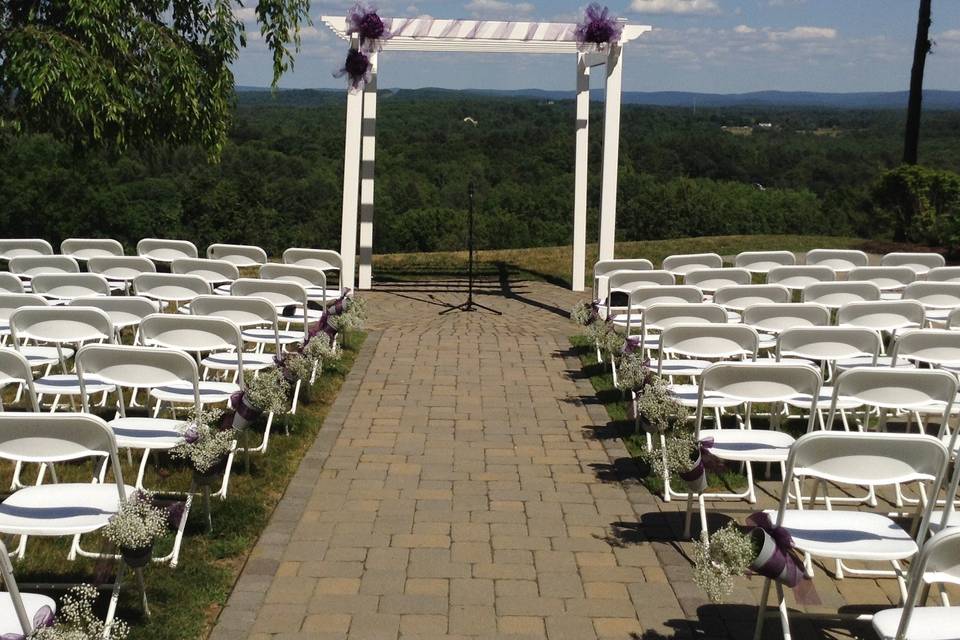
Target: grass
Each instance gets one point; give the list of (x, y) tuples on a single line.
[(553, 264), (186, 601)]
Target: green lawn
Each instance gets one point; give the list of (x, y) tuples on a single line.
[(185, 601)]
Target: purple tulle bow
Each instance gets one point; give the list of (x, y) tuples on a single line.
[(41, 619), (363, 20), (631, 345), (357, 69), (782, 565), (191, 435), (598, 28), (175, 513)]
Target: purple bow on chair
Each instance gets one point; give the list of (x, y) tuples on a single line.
[(778, 561), (700, 468), (42, 618), (631, 345)]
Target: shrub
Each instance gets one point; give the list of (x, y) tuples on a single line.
[(920, 204)]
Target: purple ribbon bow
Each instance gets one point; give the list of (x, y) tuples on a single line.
[(782, 564), (363, 20), (357, 68), (700, 468), (41, 619), (631, 345), (597, 29)]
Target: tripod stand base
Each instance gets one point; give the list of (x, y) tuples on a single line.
[(470, 306)]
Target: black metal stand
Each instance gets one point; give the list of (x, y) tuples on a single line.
[(470, 305)]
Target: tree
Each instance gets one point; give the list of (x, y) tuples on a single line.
[(118, 72), (920, 50)]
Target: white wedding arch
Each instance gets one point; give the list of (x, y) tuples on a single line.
[(477, 36)]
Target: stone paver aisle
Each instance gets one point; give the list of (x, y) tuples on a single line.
[(454, 493)]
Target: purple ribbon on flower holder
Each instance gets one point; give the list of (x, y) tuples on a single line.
[(41, 619), (777, 559), (631, 345), (699, 470), (244, 413)]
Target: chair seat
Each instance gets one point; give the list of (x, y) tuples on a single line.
[(926, 623), (757, 445), (867, 361), (146, 433), (42, 356), (66, 384), (803, 401), (688, 395), (260, 336), (59, 509), (767, 341), (228, 361), (210, 392), (848, 535), (32, 603), (317, 294), (681, 367)]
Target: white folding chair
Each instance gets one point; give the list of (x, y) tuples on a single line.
[(944, 274), (82, 249), (20, 613), (834, 295), (890, 280), (313, 280), (241, 255), (16, 370), (937, 564), (26, 267), (938, 298), (165, 251), (886, 316), (290, 300), (602, 269), (620, 284), (874, 459), (841, 261), (59, 327), (736, 298), (643, 297), (709, 280), (214, 272), (919, 263), (18, 247), (10, 283), (120, 271), (682, 264), (125, 312), (64, 287), (322, 259), (747, 384), (770, 318), (37, 355), (953, 320), (799, 277), (658, 317), (170, 288), (761, 262), (938, 348)]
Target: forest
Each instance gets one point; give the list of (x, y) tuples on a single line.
[(683, 172)]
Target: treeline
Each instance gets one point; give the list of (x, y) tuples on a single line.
[(279, 181)]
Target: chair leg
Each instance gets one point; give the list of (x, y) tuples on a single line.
[(752, 496), (114, 597), (784, 615), (762, 609), (689, 516)]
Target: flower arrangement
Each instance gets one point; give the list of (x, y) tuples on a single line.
[(320, 348), (656, 404), (268, 390), (76, 620), (634, 373), (205, 441), (585, 313), (297, 366), (135, 528), (352, 316), (598, 29)]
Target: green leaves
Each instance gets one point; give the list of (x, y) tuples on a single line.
[(113, 73)]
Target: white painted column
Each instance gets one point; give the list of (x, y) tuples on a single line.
[(611, 152), (367, 159), (351, 183), (581, 175)]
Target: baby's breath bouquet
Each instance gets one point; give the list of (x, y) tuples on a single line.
[(205, 442), (320, 349), (135, 528), (634, 373), (353, 316), (656, 407), (76, 620), (584, 313), (676, 456), (298, 367), (267, 390), (729, 553)]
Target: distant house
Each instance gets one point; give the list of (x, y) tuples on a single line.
[(765, 125)]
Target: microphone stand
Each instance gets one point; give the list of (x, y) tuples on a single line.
[(470, 305)]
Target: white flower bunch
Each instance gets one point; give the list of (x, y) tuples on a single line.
[(299, 366), (728, 554), (633, 373), (607, 339), (659, 406), (353, 317), (76, 620), (267, 390), (138, 523), (321, 349), (205, 443), (675, 457), (583, 313)]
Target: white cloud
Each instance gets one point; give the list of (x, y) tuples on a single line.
[(785, 3), (499, 8), (804, 33), (742, 28), (675, 6), (951, 35)]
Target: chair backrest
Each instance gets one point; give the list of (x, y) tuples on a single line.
[(900, 389), (681, 264), (763, 261), (244, 311), (953, 320), (666, 315), (60, 325), (121, 267), (863, 458), (67, 286), (602, 269), (709, 341), (281, 294), (86, 248), (209, 270), (713, 279), (776, 317), (759, 383), (740, 296), (323, 259), (938, 347), (885, 314), (143, 367), (944, 274), (164, 250), (837, 294), (800, 276), (14, 367), (123, 310), (626, 281), (16, 247), (937, 563), (887, 278), (194, 334), (644, 297), (827, 344), (306, 276), (920, 263), (840, 260), (934, 295), (10, 283), (10, 302), (170, 287), (241, 255), (59, 437), (30, 266)]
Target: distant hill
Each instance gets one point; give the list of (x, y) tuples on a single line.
[(932, 99)]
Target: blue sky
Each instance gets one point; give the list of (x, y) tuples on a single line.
[(721, 46)]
